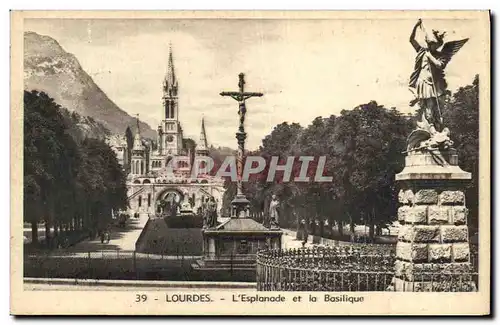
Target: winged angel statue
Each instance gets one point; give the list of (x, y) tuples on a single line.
[(429, 86)]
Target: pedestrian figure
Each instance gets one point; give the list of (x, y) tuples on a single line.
[(107, 237), (273, 211)]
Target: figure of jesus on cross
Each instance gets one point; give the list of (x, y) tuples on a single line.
[(240, 204), (240, 96)]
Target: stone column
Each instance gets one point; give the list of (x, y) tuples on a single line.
[(433, 242)]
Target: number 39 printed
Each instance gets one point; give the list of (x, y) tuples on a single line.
[(141, 298)]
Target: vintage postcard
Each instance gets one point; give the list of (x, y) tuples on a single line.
[(250, 163)]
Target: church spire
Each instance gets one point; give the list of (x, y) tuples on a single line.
[(137, 138), (170, 90), (202, 147), (137, 124), (170, 84)]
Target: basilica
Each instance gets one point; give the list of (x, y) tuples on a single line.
[(148, 182)]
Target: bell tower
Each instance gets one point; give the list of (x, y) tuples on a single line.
[(170, 90), (171, 137)]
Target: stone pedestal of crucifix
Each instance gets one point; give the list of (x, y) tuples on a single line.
[(230, 248)]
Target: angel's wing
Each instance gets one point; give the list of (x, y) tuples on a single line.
[(416, 137), (450, 48)]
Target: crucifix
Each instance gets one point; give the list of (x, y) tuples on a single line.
[(240, 96), (240, 204)]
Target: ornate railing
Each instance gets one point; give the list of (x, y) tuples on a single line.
[(341, 268), (347, 268)]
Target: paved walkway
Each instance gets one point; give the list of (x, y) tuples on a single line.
[(128, 288), (121, 239), (106, 284), (289, 240)]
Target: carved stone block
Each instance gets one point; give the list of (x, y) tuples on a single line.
[(438, 215), (440, 253), (426, 197), (406, 197), (419, 253), (417, 214), (403, 212), (450, 234), (403, 251), (452, 198), (425, 234), (461, 252), (460, 215)]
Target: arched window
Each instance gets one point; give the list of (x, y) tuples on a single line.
[(139, 201), (204, 181), (149, 199), (142, 167), (137, 181), (146, 181), (167, 109), (172, 115)]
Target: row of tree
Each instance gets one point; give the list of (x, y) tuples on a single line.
[(363, 149), (71, 182)]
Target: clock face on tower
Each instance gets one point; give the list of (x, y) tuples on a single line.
[(170, 138)]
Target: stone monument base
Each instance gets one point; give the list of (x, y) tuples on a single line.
[(432, 253)]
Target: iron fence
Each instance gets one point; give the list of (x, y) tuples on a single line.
[(107, 264), (348, 268), (110, 254), (132, 265)]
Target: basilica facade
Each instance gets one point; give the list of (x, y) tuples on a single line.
[(150, 182)]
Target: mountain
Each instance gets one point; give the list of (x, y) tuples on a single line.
[(49, 68)]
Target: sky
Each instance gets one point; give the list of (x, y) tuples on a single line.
[(305, 67)]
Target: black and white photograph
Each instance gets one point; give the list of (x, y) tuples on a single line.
[(253, 161)]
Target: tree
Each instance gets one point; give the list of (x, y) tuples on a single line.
[(461, 116), (130, 143), (50, 161), (362, 148), (66, 182), (371, 139), (102, 181)]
